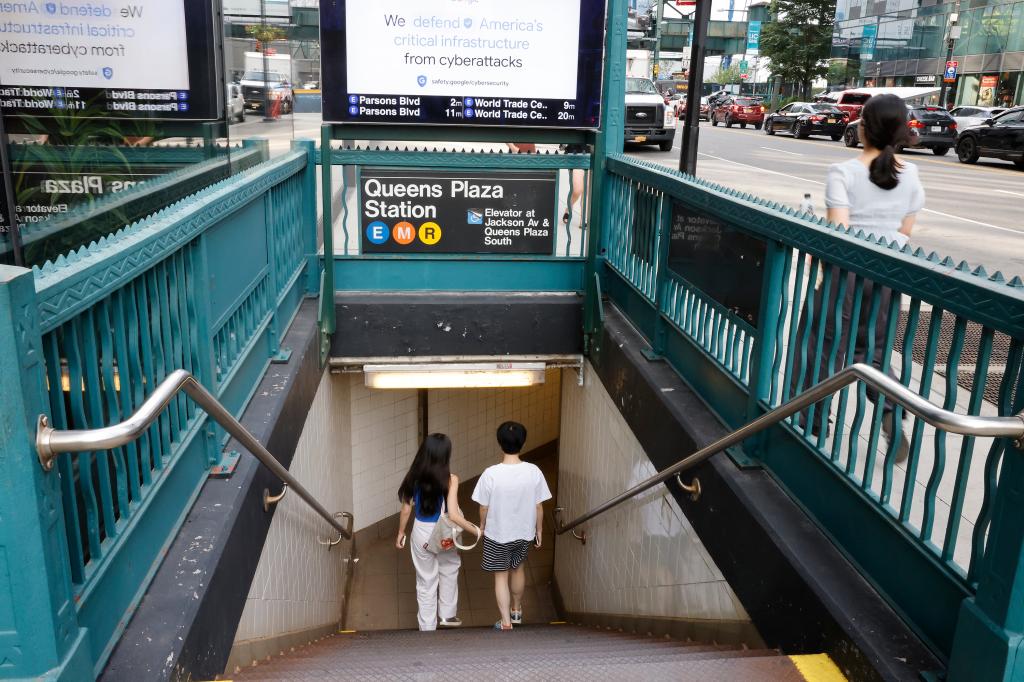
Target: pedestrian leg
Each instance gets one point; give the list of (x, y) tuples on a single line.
[(448, 564), (501, 593), (427, 575)]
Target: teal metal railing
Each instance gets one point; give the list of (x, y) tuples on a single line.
[(209, 285), (924, 530)]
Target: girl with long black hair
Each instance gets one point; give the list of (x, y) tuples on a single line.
[(428, 490), (881, 195)]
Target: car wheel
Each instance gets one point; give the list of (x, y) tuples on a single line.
[(768, 129), (241, 117), (967, 150), (665, 145), (743, 126), (728, 121), (1019, 163), (714, 122), (850, 138), (800, 131), (836, 138), (757, 126), (940, 151)]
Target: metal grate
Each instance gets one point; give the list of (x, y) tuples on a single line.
[(968, 356)]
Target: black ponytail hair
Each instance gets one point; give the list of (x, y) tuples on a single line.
[(429, 474), (884, 124)]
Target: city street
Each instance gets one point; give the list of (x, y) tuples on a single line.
[(972, 212)]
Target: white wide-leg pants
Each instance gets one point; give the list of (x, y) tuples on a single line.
[(437, 578)]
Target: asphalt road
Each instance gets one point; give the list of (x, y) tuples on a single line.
[(972, 213)]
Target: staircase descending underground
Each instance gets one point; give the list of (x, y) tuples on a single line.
[(538, 652)]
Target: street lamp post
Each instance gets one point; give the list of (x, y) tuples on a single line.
[(266, 64), (695, 81)]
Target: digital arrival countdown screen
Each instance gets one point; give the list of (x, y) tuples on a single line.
[(528, 63)]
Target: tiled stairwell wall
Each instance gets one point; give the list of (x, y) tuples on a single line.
[(385, 436), (298, 587), (642, 559), (355, 448)]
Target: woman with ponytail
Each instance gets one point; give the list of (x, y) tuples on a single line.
[(881, 195)]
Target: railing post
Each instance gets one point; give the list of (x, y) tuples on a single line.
[(39, 632), (989, 641), (608, 141), (309, 215), (766, 342), (661, 275), (327, 197)]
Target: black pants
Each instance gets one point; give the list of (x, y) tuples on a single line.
[(807, 361)]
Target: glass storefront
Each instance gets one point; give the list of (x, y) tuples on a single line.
[(903, 43)]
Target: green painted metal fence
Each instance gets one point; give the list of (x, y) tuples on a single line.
[(209, 284), (924, 531)]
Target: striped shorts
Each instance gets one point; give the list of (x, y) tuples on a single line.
[(506, 556)]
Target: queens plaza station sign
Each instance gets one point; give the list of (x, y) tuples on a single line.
[(406, 211)]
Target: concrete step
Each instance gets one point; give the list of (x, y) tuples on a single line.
[(773, 668), (562, 652)]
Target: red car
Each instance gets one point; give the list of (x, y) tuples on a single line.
[(741, 110)]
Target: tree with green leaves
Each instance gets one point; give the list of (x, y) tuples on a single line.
[(799, 40), (264, 34), (730, 74)]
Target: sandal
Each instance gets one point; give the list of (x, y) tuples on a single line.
[(517, 617), (566, 217), (501, 627)]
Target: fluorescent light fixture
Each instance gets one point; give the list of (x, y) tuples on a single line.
[(455, 375)]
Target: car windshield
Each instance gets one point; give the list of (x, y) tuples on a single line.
[(258, 76), (855, 98), (642, 85), (826, 108), (747, 101)]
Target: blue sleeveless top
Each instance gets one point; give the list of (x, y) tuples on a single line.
[(420, 516)]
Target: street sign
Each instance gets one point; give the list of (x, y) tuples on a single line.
[(744, 66), (753, 35), (949, 75), (744, 76)]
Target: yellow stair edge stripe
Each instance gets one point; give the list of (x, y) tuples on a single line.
[(818, 668)]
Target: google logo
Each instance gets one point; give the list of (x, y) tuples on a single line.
[(403, 233)]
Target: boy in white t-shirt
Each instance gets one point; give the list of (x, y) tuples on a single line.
[(511, 516)]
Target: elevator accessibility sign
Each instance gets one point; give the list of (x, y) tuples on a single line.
[(406, 211)]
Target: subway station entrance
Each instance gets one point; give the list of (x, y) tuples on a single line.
[(214, 379)]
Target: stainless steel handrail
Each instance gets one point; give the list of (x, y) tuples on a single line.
[(995, 427), (50, 442)]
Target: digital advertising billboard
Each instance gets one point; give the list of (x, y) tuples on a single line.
[(134, 59), (529, 63)]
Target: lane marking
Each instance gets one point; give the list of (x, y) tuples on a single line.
[(917, 156), (818, 182), (974, 222), (1006, 191), (758, 168), (783, 151)]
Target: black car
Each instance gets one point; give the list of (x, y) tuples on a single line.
[(928, 127), (803, 119), (1001, 137)]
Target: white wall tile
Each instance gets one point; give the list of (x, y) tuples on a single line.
[(643, 558), (299, 584)]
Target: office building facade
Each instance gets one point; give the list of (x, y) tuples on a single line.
[(901, 43)]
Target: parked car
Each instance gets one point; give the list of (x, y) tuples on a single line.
[(803, 119), (742, 110), (966, 117), (704, 108), (235, 103), (850, 101), (930, 127), (648, 119), (715, 99), (1001, 137)]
